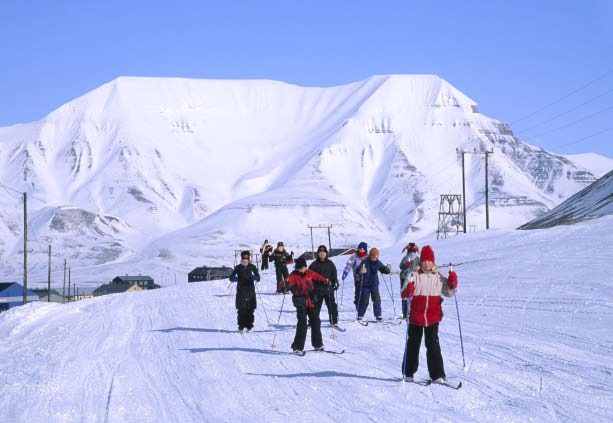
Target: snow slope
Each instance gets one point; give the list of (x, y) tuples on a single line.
[(536, 326), (146, 172), (597, 164), (594, 201)]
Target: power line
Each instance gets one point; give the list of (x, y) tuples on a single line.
[(568, 124), (582, 139), (566, 112), (564, 97)]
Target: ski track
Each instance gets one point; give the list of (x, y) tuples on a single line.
[(537, 347)]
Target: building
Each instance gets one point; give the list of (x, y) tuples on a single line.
[(11, 295), (43, 295), (206, 273), (111, 288), (145, 282)]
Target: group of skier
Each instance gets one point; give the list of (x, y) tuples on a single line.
[(421, 287)]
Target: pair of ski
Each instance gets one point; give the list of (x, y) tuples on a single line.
[(303, 353), (428, 382), (385, 322), (337, 328)]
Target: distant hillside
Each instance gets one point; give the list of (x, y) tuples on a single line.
[(595, 200)]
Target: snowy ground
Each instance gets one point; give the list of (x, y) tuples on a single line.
[(536, 319)]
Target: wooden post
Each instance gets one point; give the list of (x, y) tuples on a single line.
[(69, 285), (49, 277), (25, 247), (64, 285), (487, 203), (329, 240), (463, 191), (312, 246)]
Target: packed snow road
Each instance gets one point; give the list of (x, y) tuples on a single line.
[(536, 320)]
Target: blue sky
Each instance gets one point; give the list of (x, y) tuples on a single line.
[(512, 57)]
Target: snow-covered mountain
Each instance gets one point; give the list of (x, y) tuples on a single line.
[(594, 201), (597, 164), (165, 171)]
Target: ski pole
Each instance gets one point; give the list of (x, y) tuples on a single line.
[(333, 336), (406, 340), (262, 302), (358, 303), (457, 309), (390, 294), (406, 343), (342, 292), (273, 345)]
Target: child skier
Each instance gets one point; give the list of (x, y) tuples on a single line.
[(245, 275), (353, 265), (280, 257), (408, 265), (302, 283), (369, 284), (326, 268), (424, 289)]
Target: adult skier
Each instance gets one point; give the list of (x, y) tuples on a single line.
[(245, 275), (408, 265), (303, 285), (326, 268), (369, 284), (424, 288)]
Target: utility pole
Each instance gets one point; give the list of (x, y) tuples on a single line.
[(463, 192), (487, 202), (64, 286), (69, 285), (49, 277), (486, 153), (312, 246), (25, 247), (328, 227)]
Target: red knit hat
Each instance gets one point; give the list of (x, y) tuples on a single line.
[(427, 254)]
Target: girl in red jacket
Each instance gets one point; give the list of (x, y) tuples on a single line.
[(302, 284), (424, 289)]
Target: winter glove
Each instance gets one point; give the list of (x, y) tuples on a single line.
[(234, 278), (345, 273), (389, 267), (335, 285), (408, 291), (253, 278), (452, 280)]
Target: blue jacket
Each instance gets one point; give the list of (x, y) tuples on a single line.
[(369, 272)]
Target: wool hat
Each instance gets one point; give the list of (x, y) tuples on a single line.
[(363, 246), (300, 263), (322, 248), (280, 244), (374, 252), (427, 254), (411, 247)]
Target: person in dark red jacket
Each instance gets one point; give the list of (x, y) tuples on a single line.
[(423, 289), (302, 283)]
